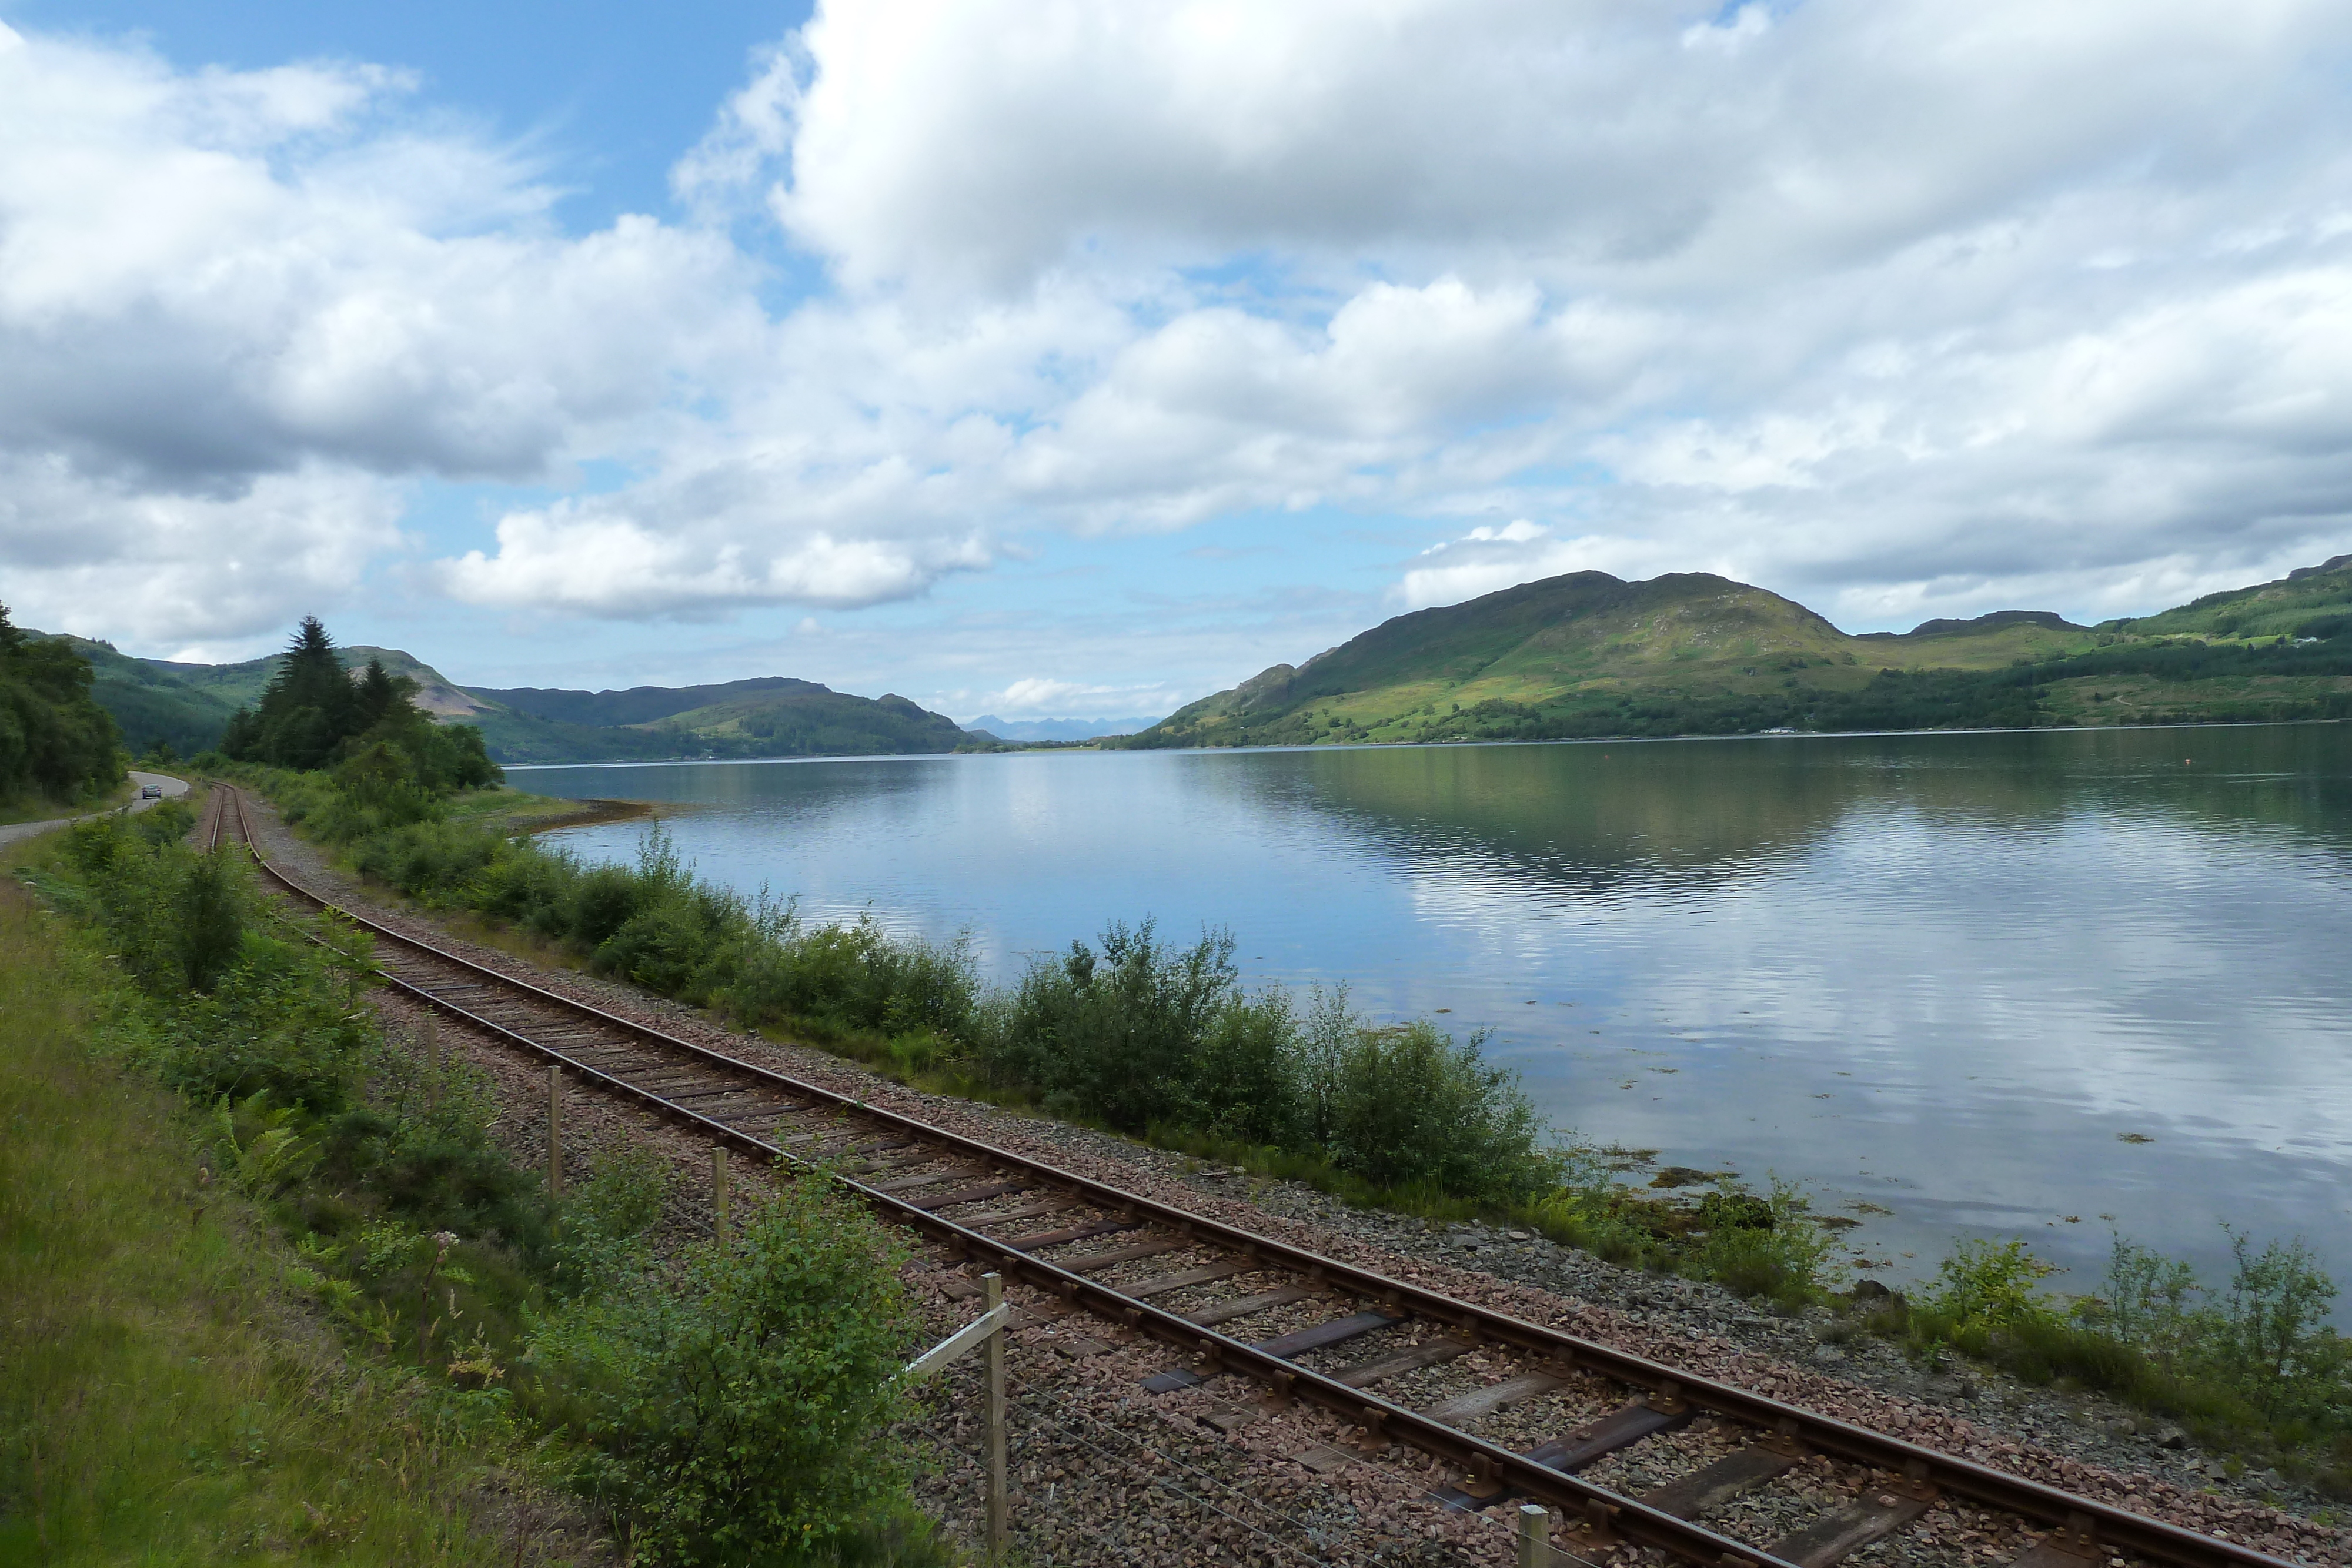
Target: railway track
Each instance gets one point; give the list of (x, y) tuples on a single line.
[(1209, 1290)]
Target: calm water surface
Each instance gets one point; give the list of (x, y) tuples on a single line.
[(1954, 977)]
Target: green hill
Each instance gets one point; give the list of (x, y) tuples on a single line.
[(640, 704), (770, 716), (2312, 602), (148, 705), (188, 705), (1690, 652)]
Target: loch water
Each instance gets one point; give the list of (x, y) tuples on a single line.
[(2044, 984)]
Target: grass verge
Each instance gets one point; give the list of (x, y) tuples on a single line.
[(163, 1396), (40, 809)]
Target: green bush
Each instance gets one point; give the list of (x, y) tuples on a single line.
[(1411, 1106), (1119, 1035), (1143, 1036), (180, 916), (1132, 1031), (55, 740), (1985, 1286), (252, 1013), (2253, 1363), (744, 1398), (1765, 1247), (740, 1408)]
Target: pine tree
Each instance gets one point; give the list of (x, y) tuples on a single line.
[(314, 715), (308, 708)]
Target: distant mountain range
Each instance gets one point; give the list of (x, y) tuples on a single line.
[(773, 715), (187, 704), (1693, 653), (1034, 729), (1583, 655)]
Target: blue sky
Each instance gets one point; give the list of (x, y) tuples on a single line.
[(1071, 358)]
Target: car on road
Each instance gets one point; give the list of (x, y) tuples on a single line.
[(150, 791)]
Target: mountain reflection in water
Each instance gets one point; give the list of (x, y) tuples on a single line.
[(1948, 975)]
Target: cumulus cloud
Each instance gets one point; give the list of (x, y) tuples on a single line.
[(1488, 559), (190, 574), (1001, 138), (1039, 696), (1908, 303), (1901, 305), (594, 561), (233, 304)]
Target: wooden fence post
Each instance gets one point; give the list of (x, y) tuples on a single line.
[(432, 1061), (555, 1130), (1535, 1536), (719, 1189), (992, 1287)]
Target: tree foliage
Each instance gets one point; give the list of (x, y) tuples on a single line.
[(55, 740), (390, 756)]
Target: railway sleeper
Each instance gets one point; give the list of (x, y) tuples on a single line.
[(964, 1195), (1036, 1210), (1225, 1311), (1063, 1237), (1286, 1347), (929, 1178), (1569, 1452), (1721, 1481), (1836, 1536), (1429, 1353), (1159, 1285)]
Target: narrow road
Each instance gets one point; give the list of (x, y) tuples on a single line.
[(171, 787)]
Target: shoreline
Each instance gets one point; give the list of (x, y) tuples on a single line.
[(1096, 744)]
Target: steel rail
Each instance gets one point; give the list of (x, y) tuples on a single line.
[(2088, 1525)]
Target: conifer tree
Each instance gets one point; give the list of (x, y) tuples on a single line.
[(314, 715)]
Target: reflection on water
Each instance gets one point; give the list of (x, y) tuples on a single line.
[(1951, 976)]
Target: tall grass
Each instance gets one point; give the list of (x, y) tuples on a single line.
[(452, 1276), (2248, 1363), (162, 1399)]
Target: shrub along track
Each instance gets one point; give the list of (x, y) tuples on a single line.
[(1382, 1353)]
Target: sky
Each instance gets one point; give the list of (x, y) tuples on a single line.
[(1077, 358)]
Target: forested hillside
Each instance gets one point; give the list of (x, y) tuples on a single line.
[(770, 716), (56, 743)]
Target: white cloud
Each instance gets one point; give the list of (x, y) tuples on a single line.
[(1488, 559), (593, 561), (186, 571), (997, 139), (1903, 305), (1045, 697)]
